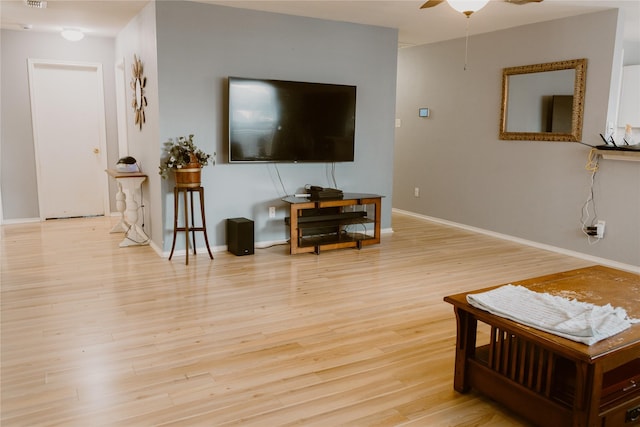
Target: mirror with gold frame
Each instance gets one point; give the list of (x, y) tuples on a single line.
[(543, 102)]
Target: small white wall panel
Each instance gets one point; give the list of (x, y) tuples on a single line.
[(629, 112)]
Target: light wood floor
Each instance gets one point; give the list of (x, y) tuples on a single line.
[(96, 335)]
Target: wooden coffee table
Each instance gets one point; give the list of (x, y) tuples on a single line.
[(547, 379)]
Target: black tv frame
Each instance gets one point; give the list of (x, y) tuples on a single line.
[(314, 122)]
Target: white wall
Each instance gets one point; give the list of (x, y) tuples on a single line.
[(139, 38), (18, 167), (529, 190)]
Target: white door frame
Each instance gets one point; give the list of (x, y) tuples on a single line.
[(102, 134), (1, 210), (121, 108)]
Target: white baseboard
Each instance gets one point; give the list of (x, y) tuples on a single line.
[(182, 252), (258, 245), (157, 249), (386, 231), (20, 221), (587, 257), (269, 243)]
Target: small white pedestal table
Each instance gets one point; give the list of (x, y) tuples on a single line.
[(127, 203)]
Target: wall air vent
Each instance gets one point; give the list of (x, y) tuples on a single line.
[(36, 4)]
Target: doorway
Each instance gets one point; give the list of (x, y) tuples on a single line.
[(69, 133)]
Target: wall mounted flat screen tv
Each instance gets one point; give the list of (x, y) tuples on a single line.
[(286, 121)]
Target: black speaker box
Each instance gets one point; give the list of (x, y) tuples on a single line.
[(240, 236)]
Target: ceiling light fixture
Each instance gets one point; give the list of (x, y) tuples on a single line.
[(72, 34), (467, 6), (36, 4)]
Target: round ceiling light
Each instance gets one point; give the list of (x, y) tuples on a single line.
[(72, 34), (467, 6)]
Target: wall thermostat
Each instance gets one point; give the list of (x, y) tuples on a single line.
[(423, 112)]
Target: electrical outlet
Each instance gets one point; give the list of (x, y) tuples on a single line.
[(272, 211), (416, 192), (600, 229)]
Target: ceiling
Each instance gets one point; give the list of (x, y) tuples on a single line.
[(106, 17)]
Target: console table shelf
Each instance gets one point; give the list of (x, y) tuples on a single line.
[(325, 240), (317, 225)]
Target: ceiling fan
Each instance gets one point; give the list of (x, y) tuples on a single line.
[(469, 6)]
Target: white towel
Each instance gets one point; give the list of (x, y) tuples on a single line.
[(578, 321)]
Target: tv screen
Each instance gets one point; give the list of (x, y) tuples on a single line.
[(286, 121)]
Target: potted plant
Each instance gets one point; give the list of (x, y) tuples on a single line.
[(185, 159)]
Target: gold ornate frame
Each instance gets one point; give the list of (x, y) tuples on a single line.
[(580, 67)]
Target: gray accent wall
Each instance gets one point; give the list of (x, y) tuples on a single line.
[(200, 45), (529, 190), (188, 50)]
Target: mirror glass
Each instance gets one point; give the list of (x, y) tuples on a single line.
[(543, 102), (138, 94)]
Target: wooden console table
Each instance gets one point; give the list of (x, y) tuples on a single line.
[(548, 379), (320, 224)]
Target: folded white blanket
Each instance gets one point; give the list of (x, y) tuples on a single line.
[(578, 321)]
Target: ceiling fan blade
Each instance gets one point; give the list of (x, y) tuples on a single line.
[(431, 3)]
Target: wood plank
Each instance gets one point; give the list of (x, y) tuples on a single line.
[(97, 334)]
